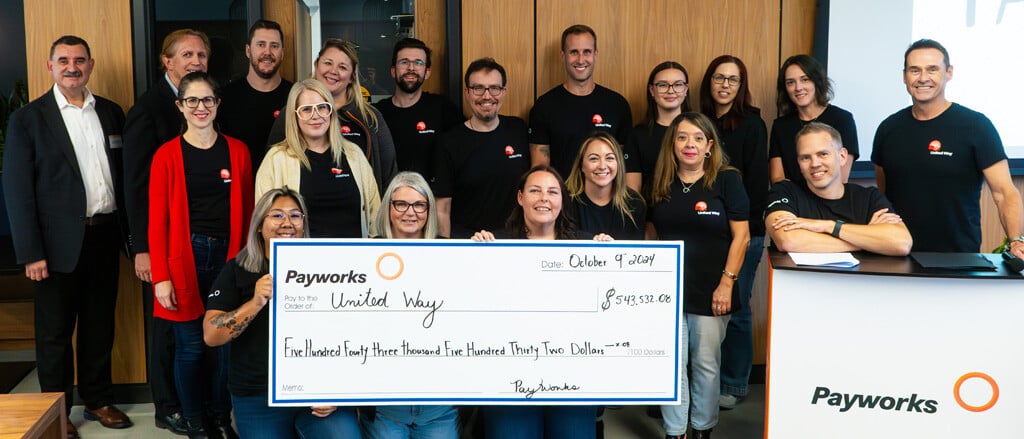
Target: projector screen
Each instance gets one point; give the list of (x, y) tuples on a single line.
[(865, 44)]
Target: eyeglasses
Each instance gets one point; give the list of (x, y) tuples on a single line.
[(193, 102), (721, 79), (406, 63), (306, 112), (664, 87), (403, 206), (494, 90), (278, 218)]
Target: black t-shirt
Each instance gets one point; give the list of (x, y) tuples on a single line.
[(747, 148), (248, 114), (332, 197), (608, 219), (480, 171), (856, 206), (416, 130), (247, 370), (933, 174), (783, 140), (643, 146), (701, 219), (208, 176), (563, 121)]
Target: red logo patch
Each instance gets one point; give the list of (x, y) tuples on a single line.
[(701, 206), (225, 174), (421, 125), (345, 129), (277, 113), (509, 150), (597, 118), (935, 145), (336, 171)]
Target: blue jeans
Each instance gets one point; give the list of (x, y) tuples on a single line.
[(706, 334), (675, 416), (738, 347), (532, 422), (413, 421), (255, 420)]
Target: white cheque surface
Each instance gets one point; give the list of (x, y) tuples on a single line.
[(456, 322)]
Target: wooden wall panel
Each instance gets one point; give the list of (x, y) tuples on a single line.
[(107, 26), (992, 233), (797, 33), (509, 40), (283, 12), (430, 28)]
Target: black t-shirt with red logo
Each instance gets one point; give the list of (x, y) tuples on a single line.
[(563, 121), (208, 176), (701, 218), (856, 206), (416, 130), (933, 174), (248, 114), (480, 171), (332, 197)]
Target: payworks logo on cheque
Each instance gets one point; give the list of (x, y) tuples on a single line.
[(307, 279), (847, 401)]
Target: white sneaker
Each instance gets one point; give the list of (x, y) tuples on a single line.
[(727, 402)]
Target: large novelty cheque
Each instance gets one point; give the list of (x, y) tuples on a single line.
[(378, 322)]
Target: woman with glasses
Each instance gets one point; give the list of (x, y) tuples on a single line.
[(699, 199), (330, 172), (238, 314), (410, 213), (667, 96), (804, 92), (597, 184), (337, 67), (726, 99), (200, 193)]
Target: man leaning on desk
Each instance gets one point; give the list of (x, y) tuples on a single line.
[(827, 215)]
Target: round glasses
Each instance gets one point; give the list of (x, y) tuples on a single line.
[(722, 79), (664, 87)]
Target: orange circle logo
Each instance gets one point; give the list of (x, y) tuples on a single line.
[(935, 145), (387, 256), (976, 408)]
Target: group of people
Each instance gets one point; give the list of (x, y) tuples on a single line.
[(197, 180)]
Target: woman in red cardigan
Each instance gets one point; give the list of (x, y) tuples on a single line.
[(200, 194)]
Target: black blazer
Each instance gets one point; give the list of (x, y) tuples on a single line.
[(153, 121), (43, 184)]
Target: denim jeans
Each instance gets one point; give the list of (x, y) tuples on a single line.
[(413, 421), (706, 334), (675, 416), (532, 422), (738, 347), (201, 372), (255, 420)]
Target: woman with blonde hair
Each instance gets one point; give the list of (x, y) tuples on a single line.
[(597, 185), (330, 172)]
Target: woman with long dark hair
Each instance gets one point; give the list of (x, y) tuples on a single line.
[(668, 95)]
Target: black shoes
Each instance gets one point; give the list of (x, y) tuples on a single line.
[(219, 427), (172, 422), (194, 429), (701, 434)]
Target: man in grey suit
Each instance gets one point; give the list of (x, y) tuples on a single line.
[(61, 175)]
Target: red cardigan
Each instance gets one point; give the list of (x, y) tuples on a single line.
[(170, 244)]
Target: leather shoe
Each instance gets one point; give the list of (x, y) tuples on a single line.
[(173, 422), (702, 434), (109, 416), (72, 431), (219, 427)]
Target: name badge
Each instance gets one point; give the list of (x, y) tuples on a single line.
[(115, 142)]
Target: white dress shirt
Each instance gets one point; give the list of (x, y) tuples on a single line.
[(86, 133)]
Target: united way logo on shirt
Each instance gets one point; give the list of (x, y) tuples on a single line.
[(347, 131), (511, 153), (702, 209), (421, 127), (339, 173), (599, 121), (225, 174), (935, 148)]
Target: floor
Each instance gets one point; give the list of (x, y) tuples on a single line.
[(628, 422)]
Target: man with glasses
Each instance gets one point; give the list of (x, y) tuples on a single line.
[(62, 185), (567, 114), (416, 118), (931, 158), (250, 103), (479, 162)]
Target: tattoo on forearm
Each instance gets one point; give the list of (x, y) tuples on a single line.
[(230, 321)]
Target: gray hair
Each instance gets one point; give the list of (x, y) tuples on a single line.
[(253, 257), (415, 181)]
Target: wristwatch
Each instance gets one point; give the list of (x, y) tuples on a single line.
[(835, 230), (1015, 239)]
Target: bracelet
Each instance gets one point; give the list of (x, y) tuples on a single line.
[(730, 274), (835, 230)]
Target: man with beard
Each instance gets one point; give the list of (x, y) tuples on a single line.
[(250, 103), (416, 118), (569, 113), (480, 161)]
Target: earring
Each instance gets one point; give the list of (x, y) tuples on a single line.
[(707, 154)]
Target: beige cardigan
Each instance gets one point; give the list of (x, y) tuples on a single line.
[(281, 168)]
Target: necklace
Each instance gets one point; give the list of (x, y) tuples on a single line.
[(686, 187)]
